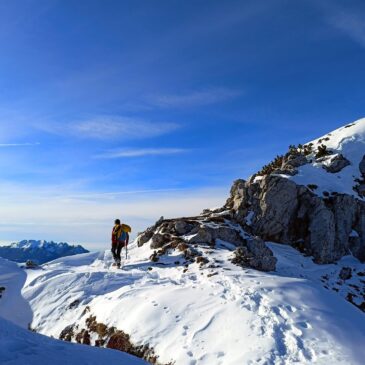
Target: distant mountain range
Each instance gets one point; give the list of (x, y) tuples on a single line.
[(39, 251)]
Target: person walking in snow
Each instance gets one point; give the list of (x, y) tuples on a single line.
[(120, 239)]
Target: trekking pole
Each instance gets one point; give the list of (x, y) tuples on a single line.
[(126, 252)]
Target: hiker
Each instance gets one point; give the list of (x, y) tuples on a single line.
[(120, 239)]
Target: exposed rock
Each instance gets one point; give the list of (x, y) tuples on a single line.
[(345, 273), (31, 264), (336, 163), (255, 255), (109, 337), (67, 333), (205, 230), (182, 227), (158, 240), (362, 166), (360, 189), (203, 235), (289, 213), (293, 162), (145, 236), (288, 170), (74, 304), (273, 201)]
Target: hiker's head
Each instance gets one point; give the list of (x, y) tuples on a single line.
[(117, 221)]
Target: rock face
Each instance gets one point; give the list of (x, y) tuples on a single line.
[(279, 203), (282, 211)]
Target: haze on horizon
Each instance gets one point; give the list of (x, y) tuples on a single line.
[(142, 109)]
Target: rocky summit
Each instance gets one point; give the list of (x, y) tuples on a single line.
[(311, 198)]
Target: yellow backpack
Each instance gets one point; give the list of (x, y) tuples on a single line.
[(126, 228)]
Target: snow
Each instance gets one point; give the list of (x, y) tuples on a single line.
[(350, 142), (21, 346), (12, 305), (223, 315)]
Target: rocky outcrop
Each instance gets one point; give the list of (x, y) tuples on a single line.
[(256, 255), (282, 211), (187, 235), (98, 334), (336, 163)]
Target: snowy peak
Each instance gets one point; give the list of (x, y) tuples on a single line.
[(40, 251), (34, 244), (335, 164), (339, 138)]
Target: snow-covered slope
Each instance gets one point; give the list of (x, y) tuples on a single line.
[(221, 315), (38, 251), (349, 141), (21, 346)]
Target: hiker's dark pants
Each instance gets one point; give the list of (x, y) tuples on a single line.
[(116, 249)]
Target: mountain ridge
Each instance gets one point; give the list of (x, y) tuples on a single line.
[(39, 251)]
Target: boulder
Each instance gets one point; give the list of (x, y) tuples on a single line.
[(256, 255), (336, 163), (345, 273), (203, 235), (182, 227), (158, 240), (264, 258), (30, 264)]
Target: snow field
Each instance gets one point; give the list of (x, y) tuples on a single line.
[(233, 316)]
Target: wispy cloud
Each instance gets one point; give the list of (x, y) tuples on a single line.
[(347, 21), (140, 152), (195, 98), (63, 215), (18, 144), (111, 127)]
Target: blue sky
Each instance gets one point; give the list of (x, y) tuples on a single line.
[(138, 109)]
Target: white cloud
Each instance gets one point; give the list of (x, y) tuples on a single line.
[(18, 144), (195, 98), (141, 152), (111, 127), (87, 218), (347, 21)]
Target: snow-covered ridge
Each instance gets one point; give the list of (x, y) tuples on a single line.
[(50, 245), (348, 141), (219, 315), (39, 251)]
